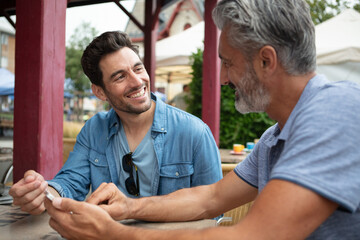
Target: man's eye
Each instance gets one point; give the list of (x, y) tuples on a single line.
[(225, 63), (120, 77), (138, 69)]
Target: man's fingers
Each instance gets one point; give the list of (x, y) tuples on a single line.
[(27, 193), (32, 175), (34, 207), (30, 182), (37, 211), (67, 205), (102, 194), (29, 172)]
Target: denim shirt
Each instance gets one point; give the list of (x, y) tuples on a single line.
[(186, 152)]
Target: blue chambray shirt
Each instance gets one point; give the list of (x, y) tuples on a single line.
[(186, 152)]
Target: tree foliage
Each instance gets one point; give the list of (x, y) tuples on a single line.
[(322, 10), (79, 84), (357, 6), (83, 35)]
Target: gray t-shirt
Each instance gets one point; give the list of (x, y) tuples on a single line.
[(144, 157), (317, 149)]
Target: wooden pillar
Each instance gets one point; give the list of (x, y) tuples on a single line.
[(152, 9), (211, 73), (39, 86)]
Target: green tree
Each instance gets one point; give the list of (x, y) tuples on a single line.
[(80, 84), (357, 6), (83, 35), (322, 10)]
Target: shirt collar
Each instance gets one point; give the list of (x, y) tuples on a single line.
[(160, 117), (311, 88), (114, 122), (159, 122)]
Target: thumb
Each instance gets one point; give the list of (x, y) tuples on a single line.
[(31, 175), (30, 172), (65, 204)]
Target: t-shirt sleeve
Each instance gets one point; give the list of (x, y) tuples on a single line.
[(321, 152), (249, 169)]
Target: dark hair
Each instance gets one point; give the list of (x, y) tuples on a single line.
[(106, 43)]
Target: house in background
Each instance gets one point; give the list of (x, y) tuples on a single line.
[(7, 47), (173, 19)]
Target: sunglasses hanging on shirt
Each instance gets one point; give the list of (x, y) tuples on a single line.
[(131, 186)]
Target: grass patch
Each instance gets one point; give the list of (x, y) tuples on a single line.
[(71, 129)]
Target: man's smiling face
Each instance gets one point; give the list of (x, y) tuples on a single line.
[(239, 73), (126, 82)]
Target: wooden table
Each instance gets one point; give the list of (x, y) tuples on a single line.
[(230, 161), (15, 224), (227, 157), (6, 160)]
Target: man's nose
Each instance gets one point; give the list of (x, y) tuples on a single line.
[(224, 80), (135, 79)]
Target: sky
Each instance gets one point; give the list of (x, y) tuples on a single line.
[(103, 17)]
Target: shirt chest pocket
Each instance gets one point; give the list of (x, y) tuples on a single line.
[(97, 159), (99, 169), (174, 177), (177, 170)]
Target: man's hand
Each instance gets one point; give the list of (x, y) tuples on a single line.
[(79, 220), (112, 200), (28, 193)]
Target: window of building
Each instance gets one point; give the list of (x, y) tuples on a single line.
[(187, 25), (4, 62), (4, 39)]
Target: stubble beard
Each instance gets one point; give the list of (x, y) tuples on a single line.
[(122, 106), (251, 96)]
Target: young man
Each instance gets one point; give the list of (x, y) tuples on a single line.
[(303, 173), (142, 145)]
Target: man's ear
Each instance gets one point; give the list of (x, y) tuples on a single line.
[(268, 58), (98, 92)]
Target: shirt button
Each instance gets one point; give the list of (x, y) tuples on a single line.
[(177, 174), (96, 160)]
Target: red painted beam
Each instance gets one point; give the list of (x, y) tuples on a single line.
[(133, 19), (39, 86), (152, 10), (211, 73)]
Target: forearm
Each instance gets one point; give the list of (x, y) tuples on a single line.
[(226, 233), (182, 205), (137, 233)]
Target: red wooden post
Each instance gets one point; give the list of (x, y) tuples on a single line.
[(211, 73), (39, 86), (152, 9)]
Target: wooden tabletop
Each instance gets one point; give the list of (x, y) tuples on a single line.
[(227, 157), (15, 224)]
